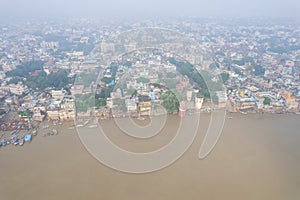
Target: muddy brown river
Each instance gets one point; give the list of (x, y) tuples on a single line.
[(257, 157)]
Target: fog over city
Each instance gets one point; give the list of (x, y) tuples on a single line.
[(150, 99), (147, 8)]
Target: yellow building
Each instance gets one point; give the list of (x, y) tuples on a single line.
[(241, 93), (289, 98), (145, 108)]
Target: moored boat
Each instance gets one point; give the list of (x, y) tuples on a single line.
[(4, 142), (16, 141), (54, 132), (34, 133), (21, 142), (27, 138)]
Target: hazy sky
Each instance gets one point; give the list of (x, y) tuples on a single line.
[(148, 8)]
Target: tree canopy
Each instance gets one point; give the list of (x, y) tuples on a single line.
[(56, 80), (26, 68), (267, 101), (258, 70), (187, 69), (84, 102), (41, 81), (2, 112), (224, 77), (170, 101)]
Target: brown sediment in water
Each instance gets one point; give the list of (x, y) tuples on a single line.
[(257, 157)]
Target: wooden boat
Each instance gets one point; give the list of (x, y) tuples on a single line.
[(21, 142)]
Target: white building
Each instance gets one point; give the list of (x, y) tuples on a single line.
[(58, 94), (189, 95), (198, 102)]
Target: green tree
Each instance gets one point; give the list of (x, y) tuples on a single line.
[(258, 70), (227, 62), (187, 69), (107, 80), (105, 92), (127, 63), (84, 102), (26, 68), (120, 103), (2, 112), (214, 98), (56, 80), (170, 101), (143, 80), (15, 80), (267, 101), (100, 102), (170, 83), (224, 77), (214, 65), (26, 113), (171, 75), (237, 71), (239, 62)]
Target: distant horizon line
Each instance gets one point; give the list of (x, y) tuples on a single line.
[(143, 18)]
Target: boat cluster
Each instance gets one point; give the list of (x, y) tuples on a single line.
[(53, 132), (16, 124), (17, 139)]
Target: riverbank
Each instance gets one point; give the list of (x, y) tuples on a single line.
[(17, 137), (51, 128)]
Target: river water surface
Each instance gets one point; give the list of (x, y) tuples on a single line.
[(257, 157)]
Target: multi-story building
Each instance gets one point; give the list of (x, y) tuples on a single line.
[(144, 105), (18, 89), (58, 94)]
